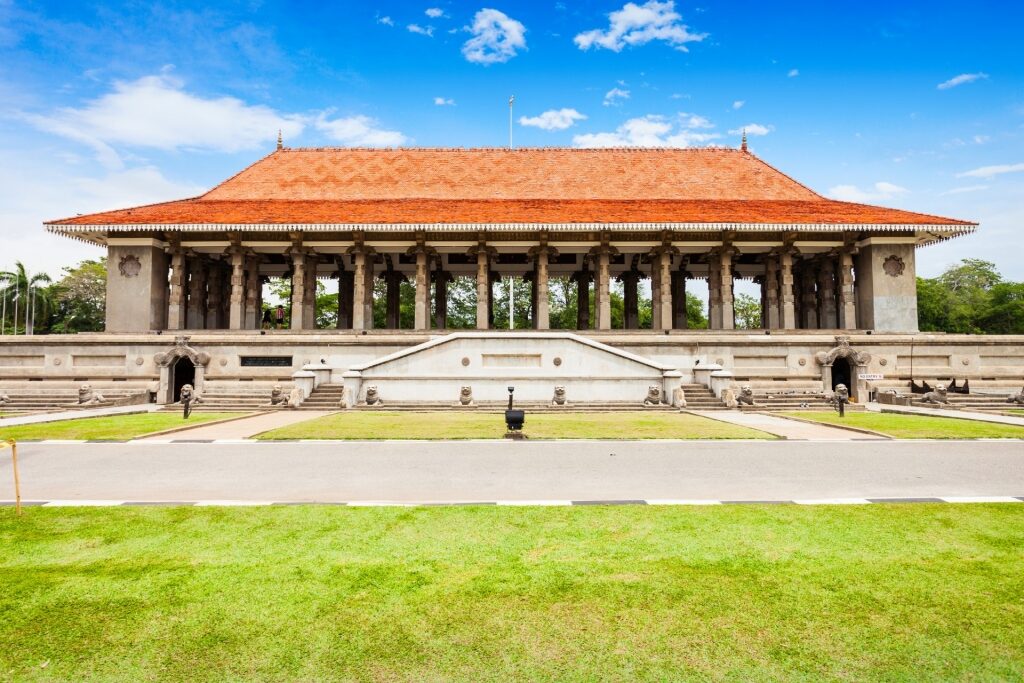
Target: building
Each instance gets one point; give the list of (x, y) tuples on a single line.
[(831, 274)]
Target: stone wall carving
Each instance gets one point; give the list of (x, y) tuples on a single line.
[(129, 265)]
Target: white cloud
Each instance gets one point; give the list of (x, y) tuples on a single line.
[(991, 171), (694, 121), (961, 80), (156, 112), (650, 131), (738, 104), (553, 119), (496, 38), (752, 130), (422, 30), (880, 191), (981, 139), (358, 131), (434, 12), (640, 24), (614, 95), (444, 102), (387, 21), (965, 190), (793, 73)]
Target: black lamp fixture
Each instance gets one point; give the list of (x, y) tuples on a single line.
[(514, 419)]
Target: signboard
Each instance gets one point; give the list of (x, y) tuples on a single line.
[(870, 375), (266, 361)]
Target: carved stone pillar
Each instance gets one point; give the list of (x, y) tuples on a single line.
[(630, 299), (483, 255), (847, 296), (441, 280), (541, 298), (176, 304), (808, 297), (236, 311), (728, 312), (393, 280), (602, 293), (582, 278), (362, 287), (299, 313), (346, 295), (679, 321), (787, 317), (312, 261), (714, 291), (827, 313), (214, 295), (771, 293), (422, 318), (253, 287), (196, 317)]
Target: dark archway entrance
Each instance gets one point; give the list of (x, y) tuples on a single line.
[(183, 372), (842, 373)]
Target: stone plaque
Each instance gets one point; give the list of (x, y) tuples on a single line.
[(265, 361)]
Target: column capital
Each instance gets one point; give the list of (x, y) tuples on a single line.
[(362, 249), (543, 249), (477, 249), (784, 250), (664, 249)]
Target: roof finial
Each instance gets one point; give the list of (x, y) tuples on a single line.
[(280, 140), (743, 142)]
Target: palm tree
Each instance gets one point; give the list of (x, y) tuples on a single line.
[(24, 297)]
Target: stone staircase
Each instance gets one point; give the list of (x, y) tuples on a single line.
[(25, 403), (978, 402), (324, 397), (790, 402), (699, 397)]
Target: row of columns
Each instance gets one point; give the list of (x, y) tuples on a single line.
[(212, 294)]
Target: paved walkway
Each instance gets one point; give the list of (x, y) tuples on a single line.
[(789, 429), (75, 414), (240, 429), (452, 471), (940, 412)]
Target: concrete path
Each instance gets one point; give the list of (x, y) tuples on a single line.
[(940, 412), (780, 426), (240, 429), (453, 471), (75, 414)]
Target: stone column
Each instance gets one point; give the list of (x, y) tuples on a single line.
[(300, 313), (847, 298), (665, 290), (214, 289), (679, 321), (714, 291), (441, 280), (422, 321), (196, 318), (253, 314), (728, 312), (483, 288), (236, 315), (393, 279), (602, 294), (176, 306), (541, 299), (808, 297), (312, 263), (787, 316), (362, 288), (827, 313), (346, 295), (582, 279), (771, 293), (630, 299), (656, 323)]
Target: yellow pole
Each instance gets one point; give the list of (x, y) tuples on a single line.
[(17, 482)]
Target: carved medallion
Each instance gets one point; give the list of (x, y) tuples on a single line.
[(130, 266), (893, 266)]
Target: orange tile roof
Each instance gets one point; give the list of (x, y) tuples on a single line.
[(556, 185), (440, 211)]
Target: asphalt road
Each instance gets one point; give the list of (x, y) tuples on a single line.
[(510, 471)]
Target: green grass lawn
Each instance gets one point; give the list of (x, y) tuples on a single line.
[(112, 427), (302, 593), (467, 425), (918, 426)]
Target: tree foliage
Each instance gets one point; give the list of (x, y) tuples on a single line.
[(970, 297)]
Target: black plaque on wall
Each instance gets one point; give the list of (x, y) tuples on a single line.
[(266, 361)]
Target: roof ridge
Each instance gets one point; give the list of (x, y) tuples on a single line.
[(782, 173), (708, 148), (228, 180)]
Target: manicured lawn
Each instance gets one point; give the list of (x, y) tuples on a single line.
[(466, 425), (919, 426), (899, 592), (113, 427)]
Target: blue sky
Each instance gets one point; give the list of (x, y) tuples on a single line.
[(919, 106)]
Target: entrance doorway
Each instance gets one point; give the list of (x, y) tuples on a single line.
[(183, 372), (842, 373)]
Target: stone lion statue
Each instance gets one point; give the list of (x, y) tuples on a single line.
[(465, 396), (679, 397), (295, 398), (653, 396), (189, 394), (729, 398), (373, 397), (277, 397), (4, 399), (88, 397), (746, 397), (1017, 399), (559, 397), (936, 397)]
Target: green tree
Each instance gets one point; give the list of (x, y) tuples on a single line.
[(748, 312), (695, 316), (27, 294), (79, 298), (1006, 309)]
